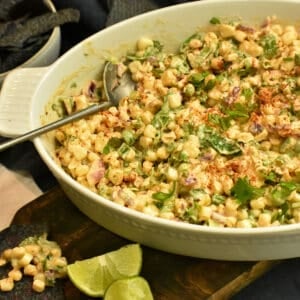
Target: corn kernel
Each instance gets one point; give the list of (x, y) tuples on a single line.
[(38, 285)]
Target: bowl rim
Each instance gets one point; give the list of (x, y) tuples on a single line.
[(180, 226), (52, 38)]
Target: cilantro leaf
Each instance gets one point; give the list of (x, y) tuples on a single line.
[(269, 44), (272, 177), (223, 145), (214, 21), (222, 122), (243, 191), (113, 144), (198, 78), (162, 197)]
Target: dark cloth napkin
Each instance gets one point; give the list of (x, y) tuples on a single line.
[(98, 14), (283, 282)]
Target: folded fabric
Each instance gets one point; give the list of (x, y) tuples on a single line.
[(16, 189), (123, 9)]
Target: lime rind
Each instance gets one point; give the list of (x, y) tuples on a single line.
[(132, 288), (130, 266), (93, 276), (88, 275)]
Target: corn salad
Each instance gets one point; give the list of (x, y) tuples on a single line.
[(210, 136), (36, 257)]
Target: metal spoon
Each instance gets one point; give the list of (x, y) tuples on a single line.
[(115, 87)]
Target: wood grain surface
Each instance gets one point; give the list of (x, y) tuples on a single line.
[(170, 276)]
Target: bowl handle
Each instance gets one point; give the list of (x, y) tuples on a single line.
[(16, 100)]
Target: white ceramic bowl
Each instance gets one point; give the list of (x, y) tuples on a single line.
[(47, 54), (28, 91)]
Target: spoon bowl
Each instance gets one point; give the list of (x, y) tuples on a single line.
[(116, 87)]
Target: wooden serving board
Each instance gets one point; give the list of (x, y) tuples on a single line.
[(170, 276)]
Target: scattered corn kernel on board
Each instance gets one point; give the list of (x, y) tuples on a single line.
[(170, 276)]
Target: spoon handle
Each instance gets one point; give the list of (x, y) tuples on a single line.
[(36, 132)]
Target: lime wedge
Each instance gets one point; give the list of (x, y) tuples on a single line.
[(133, 288), (92, 276)]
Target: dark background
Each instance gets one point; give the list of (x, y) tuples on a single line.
[(281, 283)]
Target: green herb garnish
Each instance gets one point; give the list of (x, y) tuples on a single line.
[(198, 78), (280, 193), (214, 21), (162, 118), (269, 44), (162, 197), (113, 144), (218, 199), (243, 191), (128, 136), (185, 44), (272, 177), (297, 59), (223, 145), (222, 121)]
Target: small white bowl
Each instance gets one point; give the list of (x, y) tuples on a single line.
[(26, 92), (47, 54)]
